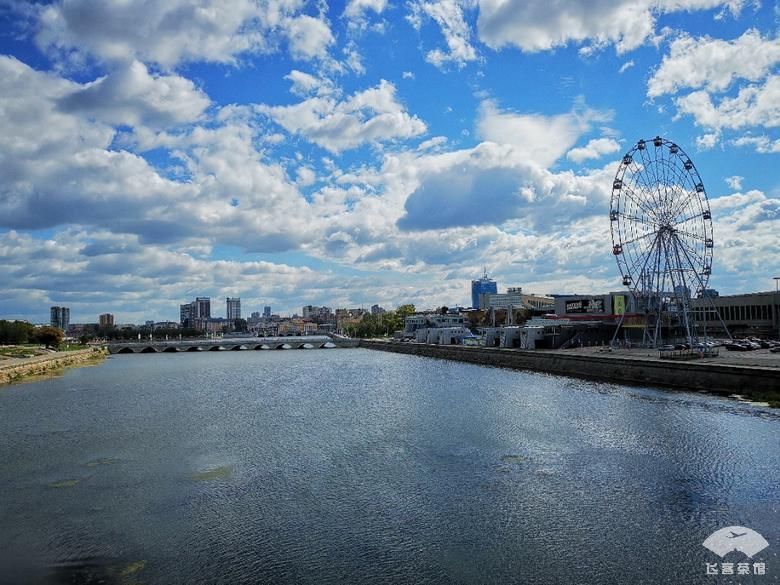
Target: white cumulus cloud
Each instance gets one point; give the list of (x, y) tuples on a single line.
[(132, 96), (542, 139), (541, 25), (309, 37), (373, 115), (754, 105), (594, 149), (714, 64), (449, 15), (175, 31)]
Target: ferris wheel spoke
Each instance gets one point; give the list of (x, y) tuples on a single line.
[(635, 197), (700, 260), (634, 218), (690, 234), (690, 193), (646, 257), (643, 260), (701, 281), (638, 238), (677, 222), (649, 181)]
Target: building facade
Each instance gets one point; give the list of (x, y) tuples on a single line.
[(610, 304), (413, 323), (751, 314), (186, 314), (512, 298), (106, 320), (267, 312), (233, 308), (59, 317), (483, 286), (313, 312), (203, 307), (195, 314)]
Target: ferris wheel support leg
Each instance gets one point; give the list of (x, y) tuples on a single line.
[(709, 299), (617, 330), (726, 329)]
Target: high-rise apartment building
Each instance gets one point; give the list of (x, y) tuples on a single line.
[(266, 312), (186, 314), (196, 313), (106, 320), (203, 308), (233, 308), (59, 317)]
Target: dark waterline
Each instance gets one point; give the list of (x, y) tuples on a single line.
[(352, 466)]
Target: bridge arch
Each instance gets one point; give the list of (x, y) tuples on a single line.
[(126, 350), (148, 349)]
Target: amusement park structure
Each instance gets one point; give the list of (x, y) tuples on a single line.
[(662, 238)]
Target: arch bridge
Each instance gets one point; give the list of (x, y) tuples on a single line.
[(231, 344)]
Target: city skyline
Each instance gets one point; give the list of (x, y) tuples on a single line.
[(296, 154)]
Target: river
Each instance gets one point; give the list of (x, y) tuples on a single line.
[(359, 466)]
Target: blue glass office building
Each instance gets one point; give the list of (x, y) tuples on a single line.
[(482, 286)]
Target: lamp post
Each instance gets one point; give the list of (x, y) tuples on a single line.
[(777, 306)]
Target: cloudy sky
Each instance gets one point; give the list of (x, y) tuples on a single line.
[(372, 151)]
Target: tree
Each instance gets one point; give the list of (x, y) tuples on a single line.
[(13, 332), (49, 336), (240, 325), (405, 311), (444, 310)]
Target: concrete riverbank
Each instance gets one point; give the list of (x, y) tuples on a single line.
[(755, 382), (13, 370)]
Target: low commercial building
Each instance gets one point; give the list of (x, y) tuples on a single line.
[(442, 335), (431, 320), (745, 315), (608, 305), (515, 297), (511, 298)]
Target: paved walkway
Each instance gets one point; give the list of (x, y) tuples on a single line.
[(758, 358), (9, 362)]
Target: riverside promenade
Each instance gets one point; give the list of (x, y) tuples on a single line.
[(15, 369), (756, 378)]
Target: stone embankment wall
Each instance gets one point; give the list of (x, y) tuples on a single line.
[(762, 383), (43, 364)]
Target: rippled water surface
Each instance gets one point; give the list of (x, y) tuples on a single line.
[(354, 466)]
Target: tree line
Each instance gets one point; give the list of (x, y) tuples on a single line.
[(20, 332), (380, 325)]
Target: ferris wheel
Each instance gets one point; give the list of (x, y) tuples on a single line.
[(661, 227)]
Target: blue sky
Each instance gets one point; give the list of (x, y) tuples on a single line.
[(369, 151)]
